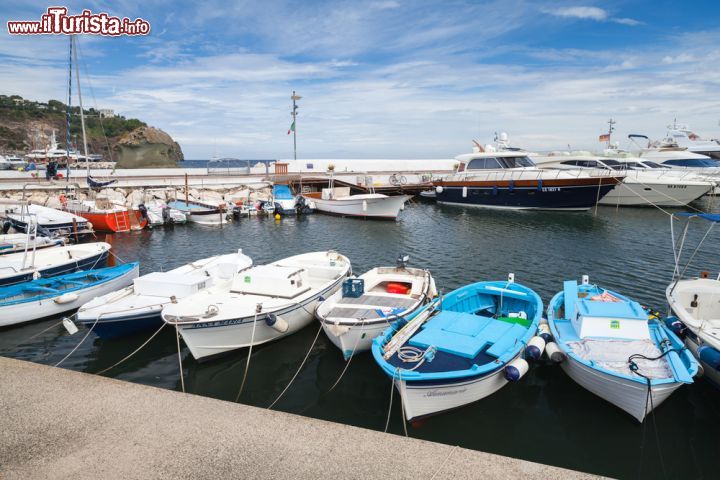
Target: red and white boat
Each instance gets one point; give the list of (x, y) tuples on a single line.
[(107, 216)]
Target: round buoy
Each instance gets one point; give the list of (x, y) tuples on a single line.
[(277, 216)]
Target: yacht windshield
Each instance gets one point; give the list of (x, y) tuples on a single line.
[(652, 164), (693, 162), (516, 162), (614, 164), (486, 163)]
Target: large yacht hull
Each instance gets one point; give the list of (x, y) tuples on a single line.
[(561, 194)]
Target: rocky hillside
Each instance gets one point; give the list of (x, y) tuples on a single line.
[(26, 125)]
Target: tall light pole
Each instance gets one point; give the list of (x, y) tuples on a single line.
[(611, 128), (294, 124)]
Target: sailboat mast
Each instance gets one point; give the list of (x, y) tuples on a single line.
[(69, 111), (82, 113), (611, 122)]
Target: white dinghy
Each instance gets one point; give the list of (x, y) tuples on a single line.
[(261, 304), (338, 201), (137, 307), (364, 307)]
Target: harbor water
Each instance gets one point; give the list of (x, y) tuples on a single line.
[(545, 417)]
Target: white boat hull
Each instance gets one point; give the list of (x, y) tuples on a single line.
[(628, 395), (208, 219), (379, 207), (26, 312), (423, 400), (353, 339), (208, 339), (630, 193)]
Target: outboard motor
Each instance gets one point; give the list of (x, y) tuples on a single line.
[(6, 227), (143, 211), (167, 219), (300, 204), (402, 261)]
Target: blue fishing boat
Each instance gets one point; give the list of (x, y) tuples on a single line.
[(616, 349), (288, 204), (461, 347), (44, 297)]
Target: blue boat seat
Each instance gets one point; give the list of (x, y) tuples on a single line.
[(507, 340), (465, 334)]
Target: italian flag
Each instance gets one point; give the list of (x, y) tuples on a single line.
[(292, 128)]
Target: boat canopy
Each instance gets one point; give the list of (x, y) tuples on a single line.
[(282, 192)]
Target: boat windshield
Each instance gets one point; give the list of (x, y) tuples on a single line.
[(633, 165), (652, 164), (614, 164), (516, 162), (693, 162)]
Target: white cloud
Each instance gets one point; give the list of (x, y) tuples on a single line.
[(591, 13), (631, 22), (586, 13)]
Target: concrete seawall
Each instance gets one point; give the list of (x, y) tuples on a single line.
[(57, 423)]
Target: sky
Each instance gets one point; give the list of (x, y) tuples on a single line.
[(386, 78)]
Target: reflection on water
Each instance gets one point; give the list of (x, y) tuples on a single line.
[(545, 417)]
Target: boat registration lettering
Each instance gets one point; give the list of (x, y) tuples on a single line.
[(247, 279), (550, 189), (443, 393), (615, 324)]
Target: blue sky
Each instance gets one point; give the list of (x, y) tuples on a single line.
[(387, 78)]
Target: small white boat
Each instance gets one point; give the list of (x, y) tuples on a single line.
[(338, 201), (695, 302), (25, 266), (259, 305), (42, 298), (137, 307), (203, 213), (613, 347), (353, 316), (19, 242), (159, 213), (49, 221)]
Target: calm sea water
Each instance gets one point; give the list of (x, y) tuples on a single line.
[(544, 418)]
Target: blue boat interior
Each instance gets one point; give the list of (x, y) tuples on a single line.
[(51, 287), (573, 296), (483, 324), (282, 192)]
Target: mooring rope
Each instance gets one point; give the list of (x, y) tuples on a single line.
[(182, 375), (81, 341), (392, 389), (302, 364), (133, 352), (247, 364), (442, 465)]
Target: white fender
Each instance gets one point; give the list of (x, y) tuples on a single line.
[(439, 189), (464, 192), (69, 326), (554, 353), (364, 205), (535, 348), (66, 298), (280, 325), (516, 369), (544, 332)]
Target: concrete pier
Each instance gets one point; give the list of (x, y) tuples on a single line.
[(57, 423)]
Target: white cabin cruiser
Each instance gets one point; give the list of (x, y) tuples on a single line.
[(49, 221), (684, 137), (642, 186), (503, 177), (258, 305)]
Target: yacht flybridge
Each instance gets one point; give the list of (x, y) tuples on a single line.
[(506, 178)]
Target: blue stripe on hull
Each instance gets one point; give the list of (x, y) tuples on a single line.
[(114, 328), (551, 198), (96, 261)]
